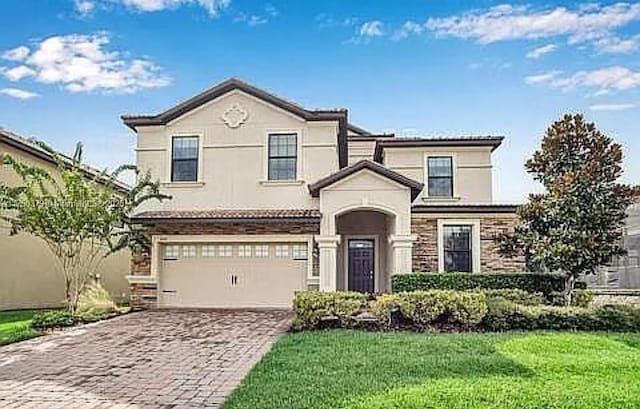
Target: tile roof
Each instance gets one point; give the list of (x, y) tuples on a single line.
[(227, 214), (409, 142)]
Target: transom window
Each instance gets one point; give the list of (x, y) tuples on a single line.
[(262, 250), (184, 159), (171, 251), (283, 156), (208, 250), (457, 248), (189, 251), (440, 175), (282, 250), (299, 251), (244, 250), (225, 250)]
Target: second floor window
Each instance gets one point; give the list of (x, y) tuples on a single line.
[(440, 175), (184, 159), (283, 156)]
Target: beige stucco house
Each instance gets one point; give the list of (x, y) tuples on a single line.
[(270, 198), (29, 277)]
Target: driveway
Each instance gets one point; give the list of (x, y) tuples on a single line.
[(151, 359)]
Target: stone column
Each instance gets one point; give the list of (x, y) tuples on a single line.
[(328, 246), (401, 247)]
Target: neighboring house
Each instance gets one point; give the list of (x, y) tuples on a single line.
[(270, 198), (29, 277)]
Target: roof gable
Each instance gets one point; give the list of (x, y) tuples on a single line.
[(414, 186)]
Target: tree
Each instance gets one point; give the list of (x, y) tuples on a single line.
[(576, 225), (80, 215)]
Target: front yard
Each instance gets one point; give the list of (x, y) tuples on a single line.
[(362, 370), (16, 326)]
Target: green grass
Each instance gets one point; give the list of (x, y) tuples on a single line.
[(360, 370), (16, 326)]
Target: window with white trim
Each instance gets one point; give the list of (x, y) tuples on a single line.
[(244, 250), (299, 251), (282, 156), (189, 251), (282, 250), (225, 250), (262, 250), (208, 250), (440, 176), (171, 251), (457, 246)]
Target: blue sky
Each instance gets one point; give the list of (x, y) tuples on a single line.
[(70, 68)]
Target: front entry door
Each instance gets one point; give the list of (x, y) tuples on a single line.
[(361, 265)]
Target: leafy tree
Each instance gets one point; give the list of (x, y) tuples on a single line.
[(81, 216), (576, 226)]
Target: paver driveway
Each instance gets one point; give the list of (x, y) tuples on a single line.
[(152, 359)]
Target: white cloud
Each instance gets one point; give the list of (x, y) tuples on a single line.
[(508, 22), (18, 93), (18, 73), (84, 8), (612, 107), (617, 45), (540, 51), (81, 63), (16, 54), (371, 29), (213, 7), (253, 20), (604, 80), (407, 29), (541, 78)]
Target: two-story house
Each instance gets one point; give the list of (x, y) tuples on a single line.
[(270, 198)]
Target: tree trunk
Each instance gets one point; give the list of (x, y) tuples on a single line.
[(569, 284)]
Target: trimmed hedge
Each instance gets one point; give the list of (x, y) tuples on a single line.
[(530, 282), (514, 295), (310, 308)]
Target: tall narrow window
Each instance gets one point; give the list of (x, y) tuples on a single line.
[(282, 156), (457, 248), (184, 159), (440, 174)]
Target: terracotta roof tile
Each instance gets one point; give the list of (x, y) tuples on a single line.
[(228, 214)]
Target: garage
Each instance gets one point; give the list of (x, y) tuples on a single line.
[(232, 274)]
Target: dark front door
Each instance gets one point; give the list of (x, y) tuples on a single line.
[(361, 265)]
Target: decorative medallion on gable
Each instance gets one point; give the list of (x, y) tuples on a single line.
[(235, 116)]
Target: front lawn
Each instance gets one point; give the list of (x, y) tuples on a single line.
[(365, 370), (16, 326)]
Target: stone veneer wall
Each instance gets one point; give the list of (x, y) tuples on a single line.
[(425, 249), (144, 295)]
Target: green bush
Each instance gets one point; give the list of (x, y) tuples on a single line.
[(384, 307), (311, 307), (95, 300), (503, 315), (582, 298), (53, 319), (515, 295), (530, 282)]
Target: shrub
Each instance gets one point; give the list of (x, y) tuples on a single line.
[(311, 307), (504, 315), (515, 295), (384, 307), (53, 319), (530, 282), (582, 298), (94, 299)]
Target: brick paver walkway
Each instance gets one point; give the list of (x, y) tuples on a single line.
[(153, 359)]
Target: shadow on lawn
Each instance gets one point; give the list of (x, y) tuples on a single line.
[(330, 369)]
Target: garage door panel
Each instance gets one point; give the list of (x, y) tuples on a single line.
[(234, 281)]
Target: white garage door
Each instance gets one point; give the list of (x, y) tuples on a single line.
[(232, 275)]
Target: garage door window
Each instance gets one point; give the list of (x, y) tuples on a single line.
[(188, 251), (299, 252), (171, 251), (225, 251), (244, 251), (282, 250), (208, 251), (262, 250)]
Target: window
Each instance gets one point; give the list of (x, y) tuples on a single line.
[(208, 250), (188, 251), (299, 251), (262, 250), (440, 175), (171, 251), (282, 250), (225, 251), (457, 248), (184, 159), (244, 251), (282, 156)]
